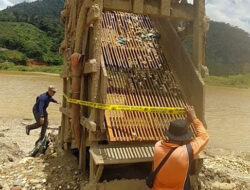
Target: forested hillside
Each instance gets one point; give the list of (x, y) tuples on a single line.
[(34, 30), (228, 49)]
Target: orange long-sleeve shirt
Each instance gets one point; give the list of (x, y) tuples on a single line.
[(173, 174)]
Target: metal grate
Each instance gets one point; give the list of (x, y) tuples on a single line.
[(138, 75)]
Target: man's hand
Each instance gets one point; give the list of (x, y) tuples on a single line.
[(191, 115), (41, 120)]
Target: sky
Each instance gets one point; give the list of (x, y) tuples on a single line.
[(234, 12)]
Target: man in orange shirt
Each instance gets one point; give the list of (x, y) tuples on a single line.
[(174, 173)]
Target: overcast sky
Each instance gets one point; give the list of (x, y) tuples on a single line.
[(235, 12)]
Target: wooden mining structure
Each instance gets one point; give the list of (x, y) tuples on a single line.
[(128, 52)]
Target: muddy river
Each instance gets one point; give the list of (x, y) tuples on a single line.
[(227, 109)]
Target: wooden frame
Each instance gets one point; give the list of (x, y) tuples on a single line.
[(83, 26)]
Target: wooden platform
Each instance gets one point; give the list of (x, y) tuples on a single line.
[(124, 154), (117, 154)]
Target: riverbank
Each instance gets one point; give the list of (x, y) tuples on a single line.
[(238, 81), (8, 66)]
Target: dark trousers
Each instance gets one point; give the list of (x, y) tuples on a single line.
[(37, 124)]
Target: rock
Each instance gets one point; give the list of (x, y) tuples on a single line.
[(5, 186), (26, 160), (35, 181), (1, 187), (223, 186), (10, 158), (38, 186), (2, 135), (19, 183)]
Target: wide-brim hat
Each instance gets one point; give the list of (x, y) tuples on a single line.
[(179, 131)]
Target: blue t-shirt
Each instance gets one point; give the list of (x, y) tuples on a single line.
[(42, 102)]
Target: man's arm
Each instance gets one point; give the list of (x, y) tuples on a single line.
[(54, 101), (201, 139)]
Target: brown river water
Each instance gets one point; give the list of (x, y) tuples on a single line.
[(227, 109)]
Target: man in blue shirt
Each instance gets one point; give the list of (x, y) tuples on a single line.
[(40, 113)]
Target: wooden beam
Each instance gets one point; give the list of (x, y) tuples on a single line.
[(153, 7), (103, 93), (90, 66), (93, 14), (199, 34), (191, 82), (119, 5), (165, 7), (138, 6), (92, 169), (98, 174), (82, 151), (90, 125), (66, 112)]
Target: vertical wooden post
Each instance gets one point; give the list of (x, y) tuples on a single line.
[(82, 151), (165, 7), (63, 122), (199, 34), (95, 53), (138, 6)]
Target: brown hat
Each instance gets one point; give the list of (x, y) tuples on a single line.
[(52, 88)]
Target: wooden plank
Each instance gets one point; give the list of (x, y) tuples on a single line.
[(93, 14), (99, 173), (119, 5), (90, 66), (103, 93), (199, 35), (165, 7), (153, 7), (92, 169), (86, 123), (82, 151), (66, 112), (109, 126), (138, 6), (73, 144)]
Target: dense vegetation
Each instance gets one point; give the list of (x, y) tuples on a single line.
[(227, 49), (33, 29), (29, 40)]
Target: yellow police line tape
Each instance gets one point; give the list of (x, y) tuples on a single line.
[(166, 110)]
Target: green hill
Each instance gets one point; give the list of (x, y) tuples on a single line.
[(39, 32), (228, 49), (29, 40)]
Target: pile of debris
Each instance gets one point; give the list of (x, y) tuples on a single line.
[(225, 171), (56, 169)]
